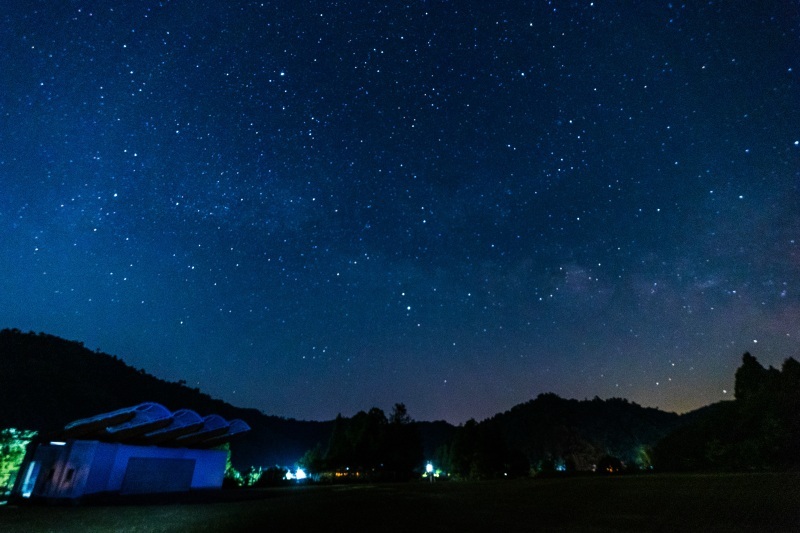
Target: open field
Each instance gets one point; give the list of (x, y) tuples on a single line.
[(719, 502)]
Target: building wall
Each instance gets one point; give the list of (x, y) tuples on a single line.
[(144, 475), (79, 468), (70, 470), (101, 468)]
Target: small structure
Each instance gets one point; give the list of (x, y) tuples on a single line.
[(114, 454), (78, 468)]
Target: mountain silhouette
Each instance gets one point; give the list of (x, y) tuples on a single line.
[(47, 382)]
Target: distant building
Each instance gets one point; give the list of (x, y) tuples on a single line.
[(145, 449)]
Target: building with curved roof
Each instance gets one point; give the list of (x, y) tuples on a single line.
[(143, 449)]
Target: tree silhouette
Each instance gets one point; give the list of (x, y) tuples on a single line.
[(759, 430), (371, 445)]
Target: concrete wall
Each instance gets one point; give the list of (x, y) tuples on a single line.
[(78, 468)]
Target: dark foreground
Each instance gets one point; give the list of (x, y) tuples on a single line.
[(746, 502)]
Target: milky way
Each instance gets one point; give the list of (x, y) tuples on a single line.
[(319, 207)]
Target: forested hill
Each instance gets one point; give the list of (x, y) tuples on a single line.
[(47, 382), (581, 432), (759, 430)]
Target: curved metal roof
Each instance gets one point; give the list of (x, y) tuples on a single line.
[(152, 423)]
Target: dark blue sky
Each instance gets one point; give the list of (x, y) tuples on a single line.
[(320, 207)]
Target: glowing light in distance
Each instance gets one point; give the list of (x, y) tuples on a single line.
[(298, 475)]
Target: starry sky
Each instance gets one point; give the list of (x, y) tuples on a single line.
[(315, 207)]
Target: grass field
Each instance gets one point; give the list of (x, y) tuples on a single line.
[(720, 502)]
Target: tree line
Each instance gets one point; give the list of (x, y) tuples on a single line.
[(759, 430), (369, 446), (47, 382)]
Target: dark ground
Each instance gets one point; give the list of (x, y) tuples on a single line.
[(713, 502)]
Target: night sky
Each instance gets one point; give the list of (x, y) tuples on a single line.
[(314, 207)]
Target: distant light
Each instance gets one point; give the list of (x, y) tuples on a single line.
[(57, 443), (429, 468), (298, 475)]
